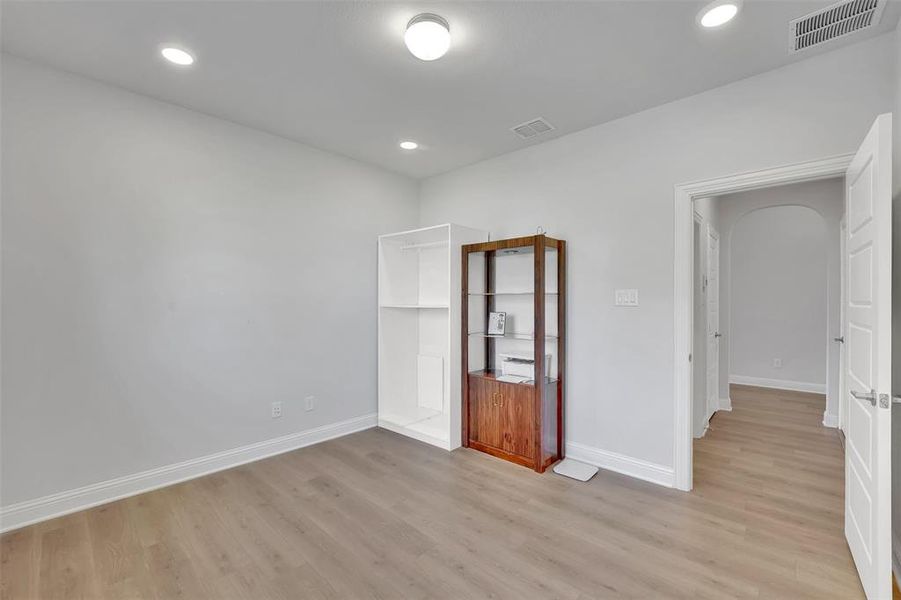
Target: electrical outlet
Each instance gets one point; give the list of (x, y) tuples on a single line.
[(626, 298), (777, 363), (276, 410), (310, 401)]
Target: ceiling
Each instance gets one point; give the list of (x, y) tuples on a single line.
[(337, 76)]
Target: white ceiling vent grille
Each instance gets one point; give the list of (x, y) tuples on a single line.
[(833, 22), (532, 128)]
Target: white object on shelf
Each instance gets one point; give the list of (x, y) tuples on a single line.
[(513, 378), (575, 469), (419, 324), (522, 365)]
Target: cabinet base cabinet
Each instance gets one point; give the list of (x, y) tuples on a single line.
[(517, 408), (484, 413), (502, 420)]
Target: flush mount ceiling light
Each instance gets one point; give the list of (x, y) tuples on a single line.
[(718, 13), (427, 36), (409, 145), (178, 56)]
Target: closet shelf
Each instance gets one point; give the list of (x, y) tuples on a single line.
[(425, 245), (418, 305), (438, 306)]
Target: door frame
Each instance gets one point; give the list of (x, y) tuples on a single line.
[(712, 233), (843, 296), (698, 221), (683, 268)]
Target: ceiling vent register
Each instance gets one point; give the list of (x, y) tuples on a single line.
[(532, 128), (833, 22)]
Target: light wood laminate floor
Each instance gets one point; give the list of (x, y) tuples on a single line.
[(376, 515)]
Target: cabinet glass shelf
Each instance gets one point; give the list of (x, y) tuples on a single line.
[(493, 375), (510, 336), (509, 293)]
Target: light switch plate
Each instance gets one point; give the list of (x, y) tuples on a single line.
[(626, 297)]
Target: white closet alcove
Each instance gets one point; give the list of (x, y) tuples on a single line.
[(419, 332)]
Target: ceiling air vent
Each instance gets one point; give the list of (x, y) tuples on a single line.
[(833, 22), (532, 128)]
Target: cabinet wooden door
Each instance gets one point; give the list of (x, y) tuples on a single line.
[(484, 412), (517, 422)]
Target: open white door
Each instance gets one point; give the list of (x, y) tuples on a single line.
[(868, 361), (713, 320)]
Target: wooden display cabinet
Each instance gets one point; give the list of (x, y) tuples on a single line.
[(517, 417)]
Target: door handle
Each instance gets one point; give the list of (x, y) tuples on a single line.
[(840, 340), (717, 335), (869, 396)]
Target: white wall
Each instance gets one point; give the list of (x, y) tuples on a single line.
[(167, 275), (826, 198), (778, 296), (608, 190)]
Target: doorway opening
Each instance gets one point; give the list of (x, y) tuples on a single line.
[(767, 296), (865, 402), (684, 198)]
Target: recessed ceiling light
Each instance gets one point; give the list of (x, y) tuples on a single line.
[(718, 13), (409, 145), (427, 36), (177, 56)]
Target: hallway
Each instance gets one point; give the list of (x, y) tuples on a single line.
[(772, 458)]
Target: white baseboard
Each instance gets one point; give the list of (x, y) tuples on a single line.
[(620, 463), (25, 513), (416, 435), (830, 420), (726, 404), (779, 384)]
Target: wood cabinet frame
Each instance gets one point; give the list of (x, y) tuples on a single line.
[(538, 394)]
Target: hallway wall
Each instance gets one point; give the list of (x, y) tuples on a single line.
[(777, 297), (706, 214)]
